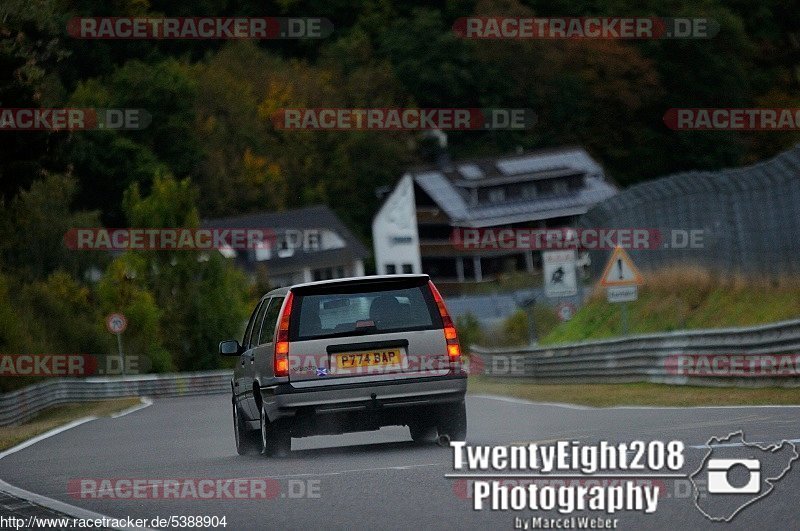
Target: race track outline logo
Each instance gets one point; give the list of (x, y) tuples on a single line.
[(748, 458)]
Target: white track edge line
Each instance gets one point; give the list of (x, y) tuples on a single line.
[(580, 407), (45, 435), (55, 505), (143, 403), (62, 507)]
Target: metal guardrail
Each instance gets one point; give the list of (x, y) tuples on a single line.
[(642, 358), (21, 405), (758, 356)]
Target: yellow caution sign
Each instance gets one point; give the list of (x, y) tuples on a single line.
[(620, 271)]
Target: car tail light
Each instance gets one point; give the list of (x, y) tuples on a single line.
[(450, 334), (281, 361)]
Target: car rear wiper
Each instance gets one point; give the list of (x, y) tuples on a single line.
[(353, 332)]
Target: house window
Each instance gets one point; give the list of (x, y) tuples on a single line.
[(391, 269), (401, 240), (408, 268), (323, 274), (544, 187), (284, 249), (497, 195), (312, 240), (263, 252), (529, 191)]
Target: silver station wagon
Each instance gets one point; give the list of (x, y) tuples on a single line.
[(347, 355)]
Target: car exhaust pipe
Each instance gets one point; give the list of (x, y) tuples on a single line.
[(443, 440)]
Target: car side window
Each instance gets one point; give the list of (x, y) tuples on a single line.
[(270, 320), (250, 325), (253, 340)]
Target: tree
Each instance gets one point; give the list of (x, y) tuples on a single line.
[(111, 161), (469, 331), (124, 289), (31, 62), (33, 227), (239, 172), (201, 297)]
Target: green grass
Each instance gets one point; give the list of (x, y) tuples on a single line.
[(633, 394), (686, 298), (58, 416)]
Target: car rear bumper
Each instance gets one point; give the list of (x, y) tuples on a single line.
[(285, 400)]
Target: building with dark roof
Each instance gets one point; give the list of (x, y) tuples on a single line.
[(308, 244), (543, 189)]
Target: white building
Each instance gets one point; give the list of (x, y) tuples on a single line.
[(412, 230)]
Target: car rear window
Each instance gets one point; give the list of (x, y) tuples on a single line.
[(363, 313)]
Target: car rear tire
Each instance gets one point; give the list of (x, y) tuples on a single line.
[(247, 441), (452, 421), (276, 439), (422, 431)]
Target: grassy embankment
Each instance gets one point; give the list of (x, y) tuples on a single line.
[(686, 298)]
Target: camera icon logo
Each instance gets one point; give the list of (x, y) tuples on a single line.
[(735, 474), (718, 476)]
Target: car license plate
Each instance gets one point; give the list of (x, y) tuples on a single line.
[(367, 359)]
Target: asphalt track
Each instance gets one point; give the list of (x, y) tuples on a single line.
[(381, 480)]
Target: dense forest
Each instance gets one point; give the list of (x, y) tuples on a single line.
[(212, 150)]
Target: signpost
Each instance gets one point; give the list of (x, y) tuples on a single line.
[(116, 323), (528, 303), (621, 280), (560, 279)]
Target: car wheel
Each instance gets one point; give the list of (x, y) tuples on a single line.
[(421, 431), (452, 421), (275, 438), (246, 440)]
